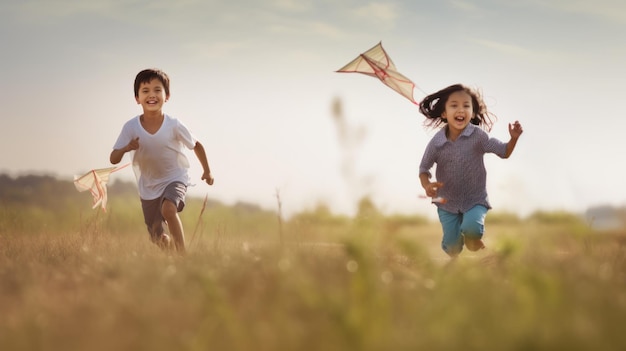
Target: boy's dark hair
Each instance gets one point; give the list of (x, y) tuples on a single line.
[(147, 75), (434, 105)]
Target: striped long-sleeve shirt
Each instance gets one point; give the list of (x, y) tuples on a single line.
[(460, 167)]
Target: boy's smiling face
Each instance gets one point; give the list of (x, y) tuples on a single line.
[(151, 96)]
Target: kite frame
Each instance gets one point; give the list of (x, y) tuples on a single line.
[(95, 182), (382, 68)]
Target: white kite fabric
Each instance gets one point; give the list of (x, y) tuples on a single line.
[(96, 182), (376, 63)]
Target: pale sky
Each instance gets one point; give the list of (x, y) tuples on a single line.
[(255, 82)]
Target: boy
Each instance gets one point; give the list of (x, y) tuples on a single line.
[(156, 141)]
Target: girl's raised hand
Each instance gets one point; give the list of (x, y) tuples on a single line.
[(515, 130)]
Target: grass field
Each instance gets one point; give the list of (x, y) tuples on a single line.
[(315, 282)]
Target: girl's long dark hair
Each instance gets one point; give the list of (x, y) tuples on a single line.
[(434, 105)]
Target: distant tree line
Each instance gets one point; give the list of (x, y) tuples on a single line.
[(50, 193), (47, 191)]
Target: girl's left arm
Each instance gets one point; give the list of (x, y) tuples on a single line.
[(515, 130)]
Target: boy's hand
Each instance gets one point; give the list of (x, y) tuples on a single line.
[(515, 130), (208, 178), (133, 145), (431, 188)]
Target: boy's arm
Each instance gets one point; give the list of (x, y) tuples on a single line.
[(515, 130), (201, 154), (117, 154)]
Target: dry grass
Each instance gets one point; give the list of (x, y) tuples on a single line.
[(358, 285)]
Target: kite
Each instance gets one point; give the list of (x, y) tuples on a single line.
[(96, 182), (376, 63)]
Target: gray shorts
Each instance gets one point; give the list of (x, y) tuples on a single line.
[(152, 215)]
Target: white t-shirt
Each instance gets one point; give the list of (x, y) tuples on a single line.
[(159, 160)]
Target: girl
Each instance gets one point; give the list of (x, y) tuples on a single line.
[(458, 149)]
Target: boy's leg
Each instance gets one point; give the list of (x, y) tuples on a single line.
[(170, 213), (473, 227), (154, 222), (174, 202), (452, 242), (161, 240)]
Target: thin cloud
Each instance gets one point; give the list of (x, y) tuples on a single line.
[(308, 28), (292, 5), (36, 11), (464, 6), (220, 49), (138, 11), (196, 19), (613, 10), (516, 50), (380, 13)]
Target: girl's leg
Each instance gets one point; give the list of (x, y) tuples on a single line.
[(473, 227), (452, 242)]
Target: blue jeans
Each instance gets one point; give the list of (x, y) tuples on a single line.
[(470, 224)]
